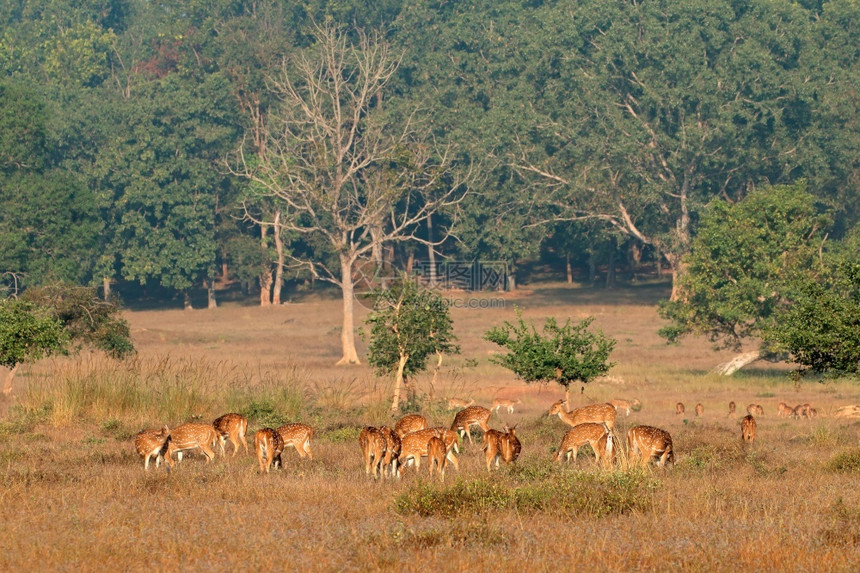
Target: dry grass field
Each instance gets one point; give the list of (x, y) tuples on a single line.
[(74, 494)]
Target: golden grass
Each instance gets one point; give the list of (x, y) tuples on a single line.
[(74, 494)]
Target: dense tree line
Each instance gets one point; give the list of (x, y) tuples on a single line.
[(162, 142)]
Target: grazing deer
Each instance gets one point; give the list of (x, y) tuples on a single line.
[(492, 447), (233, 426), (391, 458), (759, 410), (299, 437), (783, 410), (679, 408), (373, 448), (191, 436), (414, 446), (505, 403), (589, 433), (151, 443), (805, 408), (748, 428), (436, 456), (410, 423), (268, 446), (471, 416), (626, 405), (597, 413), (454, 403), (649, 442), (811, 413), (732, 408), (798, 411), (700, 409), (511, 446)]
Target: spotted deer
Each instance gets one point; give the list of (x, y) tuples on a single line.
[(410, 423), (700, 409), (192, 436), (590, 433), (391, 457), (783, 410), (234, 427), (298, 436), (455, 403), (149, 443), (511, 446), (268, 446), (373, 448), (626, 405), (648, 442), (414, 446), (732, 408), (471, 416), (679, 409), (597, 413), (436, 456), (748, 428), (502, 446), (505, 403), (811, 413), (752, 409)]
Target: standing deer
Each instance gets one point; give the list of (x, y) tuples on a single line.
[(299, 437), (414, 446), (191, 436), (649, 442), (700, 409), (268, 446), (410, 423), (783, 410), (589, 433), (748, 428), (511, 446), (454, 403), (391, 458), (436, 456), (679, 408), (373, 448), (234, 427), (471, 416), (505, 403), (149, 443), (732, 409), (597, 413), (626, 405)]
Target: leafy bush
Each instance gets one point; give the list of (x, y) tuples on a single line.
[(846, 462)]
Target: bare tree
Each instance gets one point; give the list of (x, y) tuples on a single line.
[(327, 141)]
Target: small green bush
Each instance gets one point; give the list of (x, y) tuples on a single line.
[(341, 434), (846, 462)]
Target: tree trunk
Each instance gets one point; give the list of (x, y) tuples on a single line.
[(7, 382), (210, 294), (431, 251), (106, 288), (347, 335), (376, 248), (677, 268), (186, 298), (266, 275), (398, 382), (592, 268), (279, 267), (738, 362), (511, 278), (410, 261), (610, 269), (568, 268), (567, 398)]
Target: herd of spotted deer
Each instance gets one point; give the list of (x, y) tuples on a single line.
[(385, 450)]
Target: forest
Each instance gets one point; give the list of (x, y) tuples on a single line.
[(186, 144)]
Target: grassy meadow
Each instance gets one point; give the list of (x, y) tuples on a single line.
[(74, 494)]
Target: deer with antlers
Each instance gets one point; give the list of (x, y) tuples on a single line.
[(149, 443), (373, 448), (298, 436), (193, 436), (596, 413), (410, 423), (748, 428), (471, 416), (268, 445), (234, 427), (649, 442), (598, 436)]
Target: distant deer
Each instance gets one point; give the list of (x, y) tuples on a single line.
[(732, 408), (649, 442), (436, 456), (752, 409), (471, 416), (748, 428), (454, 403), (589, 433), (268, 446), (234, 427), (410, 423), (373, 448), (505, 403), (700, 409), (192, 436), (391, 458), (502, 446), (298, 436), (149, 443), (679, 408), (759, 410), (414, 446), (783, 410), (626, 405), (597, 413), (811, 413)]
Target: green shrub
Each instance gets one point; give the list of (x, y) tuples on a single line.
[(845, 462), (341, 434)]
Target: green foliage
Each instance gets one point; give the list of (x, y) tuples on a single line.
[(845, 462), (563, 354), (740, 261), (28, 332), (411, 322)]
